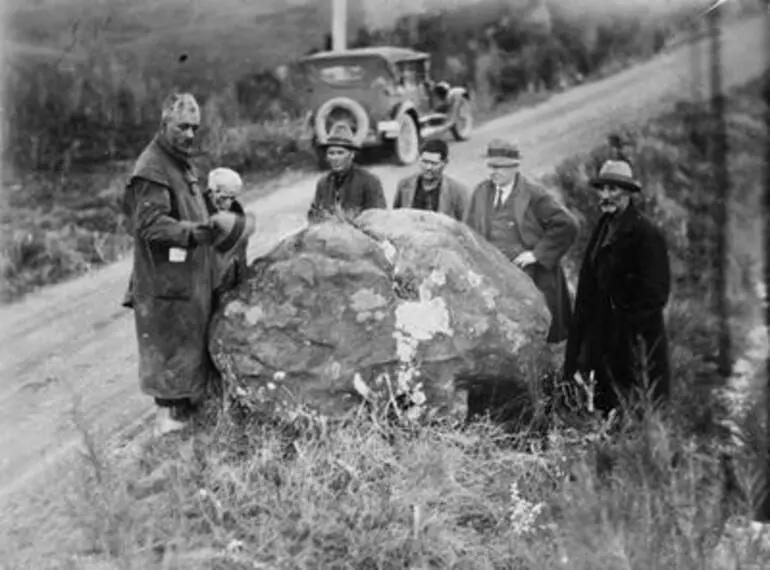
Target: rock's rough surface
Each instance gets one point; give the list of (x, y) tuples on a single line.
[(398, 302)]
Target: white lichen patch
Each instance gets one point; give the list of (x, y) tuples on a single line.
[(422, 320), (417, 321), (333, 369), (435, 280), (389, 250), (489, 297), (474, 279), (511, 331), (365, 301), (252, 315)]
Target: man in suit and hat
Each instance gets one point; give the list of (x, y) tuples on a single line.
[(430, 189), (529, 226), (348, 186), (618, 331)]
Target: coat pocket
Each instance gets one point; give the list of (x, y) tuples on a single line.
[(172, 279)]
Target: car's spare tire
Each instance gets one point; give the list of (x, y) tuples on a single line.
[(342, 109)]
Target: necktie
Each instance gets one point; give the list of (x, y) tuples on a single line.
[(499, 198)]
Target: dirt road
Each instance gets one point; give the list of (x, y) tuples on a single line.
[(74, 341)]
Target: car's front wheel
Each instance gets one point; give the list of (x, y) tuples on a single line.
[(406, 147)]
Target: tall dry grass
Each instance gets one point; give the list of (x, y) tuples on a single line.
[(664, 492)]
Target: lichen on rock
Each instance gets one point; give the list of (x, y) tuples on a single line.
[(401, 303)]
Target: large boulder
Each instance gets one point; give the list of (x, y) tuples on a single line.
[(396, 304)]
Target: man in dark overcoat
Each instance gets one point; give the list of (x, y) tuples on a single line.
[(618, 330), (529, 226), (348, 186), (431, 189), (173, 267)]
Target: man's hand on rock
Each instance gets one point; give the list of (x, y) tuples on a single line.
[(524, 259)]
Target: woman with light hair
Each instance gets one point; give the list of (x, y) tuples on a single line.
[(223, 188)]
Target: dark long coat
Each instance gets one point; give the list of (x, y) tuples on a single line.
[(231, 267), (547, 229), (357, 188), (173, 278), (618, 323)]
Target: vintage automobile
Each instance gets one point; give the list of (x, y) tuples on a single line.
[(386, 96)]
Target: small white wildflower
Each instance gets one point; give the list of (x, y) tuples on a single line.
[(414, 413), (279, 376), (418, 397), (362, 388), (240, 392), (524, 513), (234, 547), (270, 386)]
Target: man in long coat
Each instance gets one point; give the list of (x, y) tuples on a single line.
[(174, 269), (528, 226), (618, 331), (348, 186), (430, 189)]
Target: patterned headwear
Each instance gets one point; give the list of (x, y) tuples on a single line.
[(181, 108), (225, 182)]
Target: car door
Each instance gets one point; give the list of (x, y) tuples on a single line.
[(413, 84)]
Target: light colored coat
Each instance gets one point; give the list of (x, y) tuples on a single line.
[(452, 200)]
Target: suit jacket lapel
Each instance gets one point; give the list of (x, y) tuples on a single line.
[(410, 188), (623, 226), (444, 199), (521, 199), (488, 206)]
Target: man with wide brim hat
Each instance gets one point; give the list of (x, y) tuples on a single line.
[(340, 135), (501, 153), (618, 331), (347, 187), (616, 173)]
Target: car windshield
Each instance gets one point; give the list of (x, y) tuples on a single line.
[(347, 72)]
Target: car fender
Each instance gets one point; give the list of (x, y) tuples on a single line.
[(402, 108), (456, 96), (458, 92)]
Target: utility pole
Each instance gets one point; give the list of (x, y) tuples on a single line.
[(721, 189), (763, 513), (339, 24)]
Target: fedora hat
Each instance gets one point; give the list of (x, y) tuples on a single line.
[(230, 229), (340, 135), (616, 173), (502, 153)]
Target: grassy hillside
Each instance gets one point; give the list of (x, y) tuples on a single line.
[(276, 494)]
